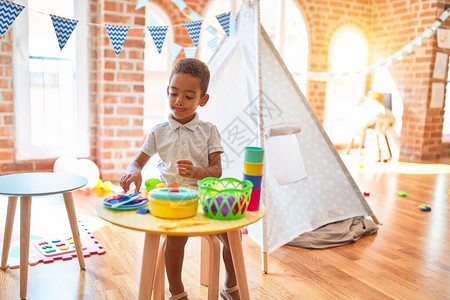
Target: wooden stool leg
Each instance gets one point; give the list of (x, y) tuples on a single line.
[(234, 239), (70, 207), (204, 262), (160, 273), (10, 213), (387, 144), (25, 214), (214, 266), (148, 267)]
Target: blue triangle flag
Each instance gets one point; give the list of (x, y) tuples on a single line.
[(212, 43), (63, 29), (193, 29), (8, 13), (117, 34), (174, 51), (141, 3), (224, 20), (190, 52), (158, 34)]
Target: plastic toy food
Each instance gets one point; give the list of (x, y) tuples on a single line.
[(160, 185), (151, 183), (173, 185)]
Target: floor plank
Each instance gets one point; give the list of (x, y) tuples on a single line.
[(407, 259)]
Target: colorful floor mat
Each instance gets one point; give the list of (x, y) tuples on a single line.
[(51, 237)]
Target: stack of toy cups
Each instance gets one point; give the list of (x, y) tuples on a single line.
[(253, 170)]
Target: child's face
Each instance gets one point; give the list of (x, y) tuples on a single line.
[(184, 94)]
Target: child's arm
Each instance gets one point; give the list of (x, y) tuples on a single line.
[(134, 172), (186, 168)]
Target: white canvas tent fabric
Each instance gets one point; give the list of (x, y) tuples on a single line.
[(326, 192)]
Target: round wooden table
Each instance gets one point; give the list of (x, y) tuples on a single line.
[(26, 185), (151, 226)]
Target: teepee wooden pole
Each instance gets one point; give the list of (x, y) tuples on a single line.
[(264, 257)]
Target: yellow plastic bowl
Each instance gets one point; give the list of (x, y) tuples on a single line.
[(170, 209), (253, 169)]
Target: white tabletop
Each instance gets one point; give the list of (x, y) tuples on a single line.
[(39, 183)]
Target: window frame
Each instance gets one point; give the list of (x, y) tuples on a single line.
[(24, 149)]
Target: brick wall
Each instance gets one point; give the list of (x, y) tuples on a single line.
[(394, 24), (117, 90)]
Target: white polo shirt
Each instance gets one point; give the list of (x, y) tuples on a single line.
[(173, 141)]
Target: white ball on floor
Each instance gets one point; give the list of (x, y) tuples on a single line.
[(63, 164), (87, 169)]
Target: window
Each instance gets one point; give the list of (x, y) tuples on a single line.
[(157, 69), (51, 86), (348, 53), (284, 24)]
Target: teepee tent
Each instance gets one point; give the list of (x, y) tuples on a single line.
[(254, 101)]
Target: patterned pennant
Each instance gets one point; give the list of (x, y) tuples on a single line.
[(180, 3), (117, 34), (158, 34), (211, 30), (224, 20), (194, 16), (212, 43), (194, 30), (8, 13), (141, 3), (190, 52), (63, 29), (174, 51), (233, 24)]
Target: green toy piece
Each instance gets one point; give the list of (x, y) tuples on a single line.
[(402, 194), (151, 183)]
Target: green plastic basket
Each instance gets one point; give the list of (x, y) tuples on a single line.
[(226, 198)]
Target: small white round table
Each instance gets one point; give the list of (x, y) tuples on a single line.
[(26, 185)]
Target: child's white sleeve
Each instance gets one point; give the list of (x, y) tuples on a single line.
[(214, 143), (149, 146)]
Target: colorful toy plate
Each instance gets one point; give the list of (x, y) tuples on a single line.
[(140, 202)]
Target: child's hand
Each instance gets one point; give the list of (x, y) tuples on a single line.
[(133, 176), (186, 168)]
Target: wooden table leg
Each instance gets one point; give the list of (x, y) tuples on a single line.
[(160, 275), (149, 257), (204, 262), (214, 266), (234, 239), (70, 207), (25, 214), (10, 213)]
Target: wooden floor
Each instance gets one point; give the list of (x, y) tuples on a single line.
[(409, 258)]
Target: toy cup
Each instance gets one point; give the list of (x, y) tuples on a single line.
[(253, 169), (254, 155), (255, 198), (256, 180)]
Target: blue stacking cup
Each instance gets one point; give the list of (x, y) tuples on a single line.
[(256, 180)]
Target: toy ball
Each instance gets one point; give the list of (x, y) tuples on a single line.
[(107, 186), (402, 194), (87, 169), (63, 164)]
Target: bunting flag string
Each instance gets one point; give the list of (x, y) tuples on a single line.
[(63, 29), (224, 21), (117, 34), (180, 3), (158, 34), (193, 29), (8, 14)]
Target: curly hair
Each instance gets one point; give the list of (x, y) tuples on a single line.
[(193, 67)]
